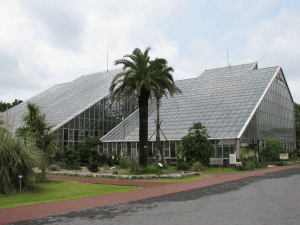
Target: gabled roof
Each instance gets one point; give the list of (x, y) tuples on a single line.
[(222, 99), (63, 102)]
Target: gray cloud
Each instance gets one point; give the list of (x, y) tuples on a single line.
[(64, 23), (12, 76)]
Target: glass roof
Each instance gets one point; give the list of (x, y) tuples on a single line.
[(63, 102), (221, 99)]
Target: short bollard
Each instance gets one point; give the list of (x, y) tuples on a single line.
[(20, 176)]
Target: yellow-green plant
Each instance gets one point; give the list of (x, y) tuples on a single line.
[(245, 153)]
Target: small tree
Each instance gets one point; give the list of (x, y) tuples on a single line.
[(36, 129), (272, 150), (195, 147)]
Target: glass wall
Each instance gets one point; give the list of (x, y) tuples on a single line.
[(274, 118), (94, 122)]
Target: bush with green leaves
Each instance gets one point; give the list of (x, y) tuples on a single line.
[(72, 158), (123, 164), (152, 169), (272, 150), (197, 166), (281, 163), (134, 166), (195, 147), (94, 161), (182, 166), (17, 158), (248, 164)]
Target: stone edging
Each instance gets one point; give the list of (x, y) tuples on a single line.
[(182, 174)]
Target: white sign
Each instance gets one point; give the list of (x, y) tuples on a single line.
[(161, 165), (284, 156), (232, 158), (216, 161), (36, 170), (20, 176)]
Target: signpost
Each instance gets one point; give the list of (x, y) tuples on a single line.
[(20, 176), (238, 163)]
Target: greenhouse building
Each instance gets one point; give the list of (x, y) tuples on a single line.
[(239, 106), (77, 110)]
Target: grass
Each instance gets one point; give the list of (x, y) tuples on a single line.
[(228, 170), (179, 180), (56, 190)]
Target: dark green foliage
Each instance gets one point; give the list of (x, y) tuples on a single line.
[(195, 147), (123, 164), (103, 158), (72, 159), (5, 106), (182, 166), (94, 161), (153, 169), (248, 164), (281, 163), (92, 142), (297, 124), (272, 150)]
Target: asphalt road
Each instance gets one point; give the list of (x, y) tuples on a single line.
[(272, 198)]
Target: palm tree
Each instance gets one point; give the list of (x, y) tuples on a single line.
[(164, 87), (143, 76), (36, 129)]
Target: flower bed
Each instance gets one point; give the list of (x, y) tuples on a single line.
[(109, 175)]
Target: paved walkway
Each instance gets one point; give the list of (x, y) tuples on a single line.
[(22, 213)]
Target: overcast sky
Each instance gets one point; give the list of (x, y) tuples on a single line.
[(44, 43)]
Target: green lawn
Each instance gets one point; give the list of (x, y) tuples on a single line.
[(56, 190), (228, 170), (180, 180)]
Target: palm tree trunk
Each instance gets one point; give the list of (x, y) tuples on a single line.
[(158, 147), (143, 134)]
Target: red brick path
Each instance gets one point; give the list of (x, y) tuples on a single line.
[(22, 213)]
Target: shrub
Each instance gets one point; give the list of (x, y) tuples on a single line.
[(123, 164), (281, 163), (182, 166), (195, 147), (53, 168), (94, 161), (272, 150), (152, 169), (16, 159), (134, 166), (72, 158), (93, 167), (197, 166), (249, 165)]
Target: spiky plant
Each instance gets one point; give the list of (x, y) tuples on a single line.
[(16, 159)]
